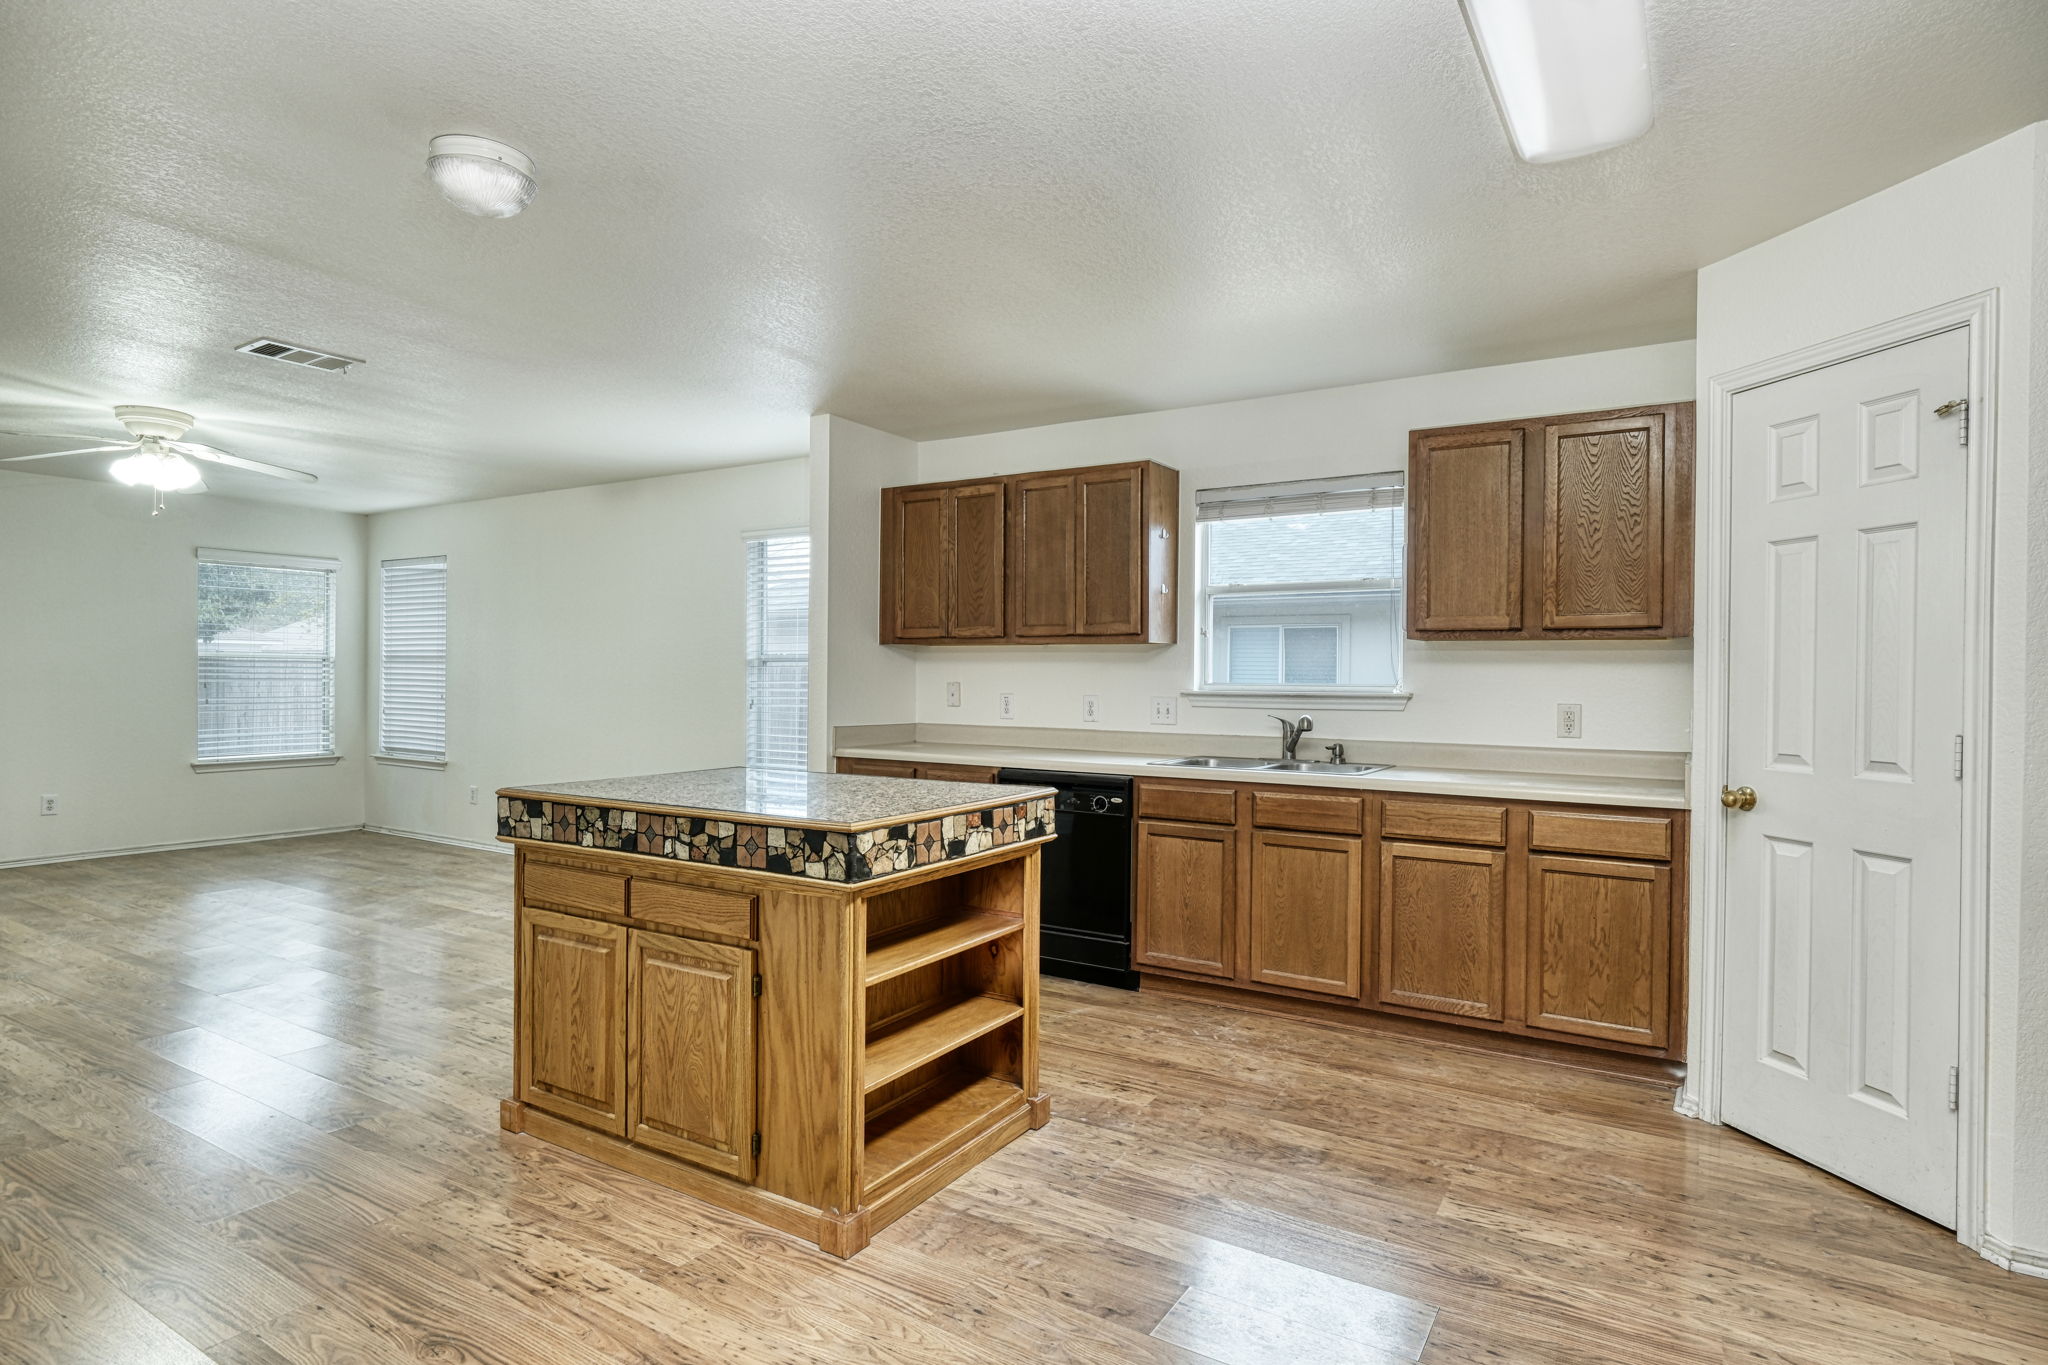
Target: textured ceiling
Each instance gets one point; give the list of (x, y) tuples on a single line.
[(932, 216)]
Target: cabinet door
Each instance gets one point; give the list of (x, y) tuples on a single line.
[(690, 1059), (1598, 953), (975, 524), (1307, 906), (1442, 916), (1604, 552), (914, 563), (1043, 560), (1187, 898), (1110, 522), (1465, 531), (572, 1018)]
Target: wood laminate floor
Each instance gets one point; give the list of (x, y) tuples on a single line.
[(248, 1113)]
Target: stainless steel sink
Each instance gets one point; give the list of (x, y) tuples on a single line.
[(1208, 761), (1266, 765)]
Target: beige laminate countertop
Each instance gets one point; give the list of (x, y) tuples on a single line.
[(1579, 788)]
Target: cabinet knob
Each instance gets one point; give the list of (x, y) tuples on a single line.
[(1739, 798)]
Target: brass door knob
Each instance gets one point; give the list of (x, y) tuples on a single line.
[(1739, 798)]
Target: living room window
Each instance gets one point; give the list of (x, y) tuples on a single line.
[(266, 658)]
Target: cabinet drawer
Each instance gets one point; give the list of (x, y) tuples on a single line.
[(696, 909), (1622, 836), (1186, 801), (1452, 823), (1318, 812), (554, 886), (876, 767), (954, 772)]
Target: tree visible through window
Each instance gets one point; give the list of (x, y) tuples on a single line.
[(266, 657)]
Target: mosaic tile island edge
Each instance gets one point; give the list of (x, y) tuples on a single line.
[(825, 827)]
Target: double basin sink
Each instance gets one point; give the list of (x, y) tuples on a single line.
[(1285, 765)]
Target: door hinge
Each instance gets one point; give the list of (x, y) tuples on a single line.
[(1959, 758), (757, 975), (754, 1147), (1955, 1088), (1953, 408)]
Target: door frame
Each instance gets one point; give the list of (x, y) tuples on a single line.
[(1700, 1096)]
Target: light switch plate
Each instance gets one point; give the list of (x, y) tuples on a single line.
[(1571, 720), (1091, 710), (1006, 706), (952, 694), (1165, 711)]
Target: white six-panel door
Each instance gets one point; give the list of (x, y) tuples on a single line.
[(1845, 700)]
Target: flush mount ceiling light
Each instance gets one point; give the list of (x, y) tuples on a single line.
[(1572, 77), (480, 176)]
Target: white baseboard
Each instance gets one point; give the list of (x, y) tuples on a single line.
[(170, 848), (2018, 1260), (492, 847)]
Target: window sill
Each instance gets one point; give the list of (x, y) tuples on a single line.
[(228, 765), (1332, 699), (401, 761)]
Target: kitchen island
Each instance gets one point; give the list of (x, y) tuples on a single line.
[(805, 997)]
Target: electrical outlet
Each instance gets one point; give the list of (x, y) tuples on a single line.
[(1091, 710), (1571, 720), (472, 796), (1006, 706), (952, 694), (48, 805), (1165, 711)]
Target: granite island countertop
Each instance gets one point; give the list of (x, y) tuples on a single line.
[(792, 798)]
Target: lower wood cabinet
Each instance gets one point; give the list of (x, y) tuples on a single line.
[(690, 1050), (1307, 911), (929, 772), (1187, 884), (1599, 948), (1443, 929), (572, 1017)]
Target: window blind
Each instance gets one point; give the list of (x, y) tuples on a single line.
[(266, 656), (778, 651), (412, 677), (1300, 498)]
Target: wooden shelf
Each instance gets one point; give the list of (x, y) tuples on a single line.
[(920, 945), (919, 1125), (908, 1044)]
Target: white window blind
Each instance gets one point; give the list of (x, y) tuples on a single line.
[(778, 650), (266, 656), (1300, 584), (412, 677)]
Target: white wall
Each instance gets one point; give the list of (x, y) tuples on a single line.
[(592, 632), (1974, 224), (1636, 694), (854, 679), (98, 679)]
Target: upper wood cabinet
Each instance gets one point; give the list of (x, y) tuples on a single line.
[(1570, 527), (1070, 556)]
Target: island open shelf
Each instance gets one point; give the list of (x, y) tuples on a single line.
[(811, 999)]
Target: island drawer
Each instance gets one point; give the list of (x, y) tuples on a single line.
[(1317, 812), (1620, 836), (698, 909), (1444, 821), (1186, 801), (556, 886)]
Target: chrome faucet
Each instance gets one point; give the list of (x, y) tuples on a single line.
[(1291, 732)]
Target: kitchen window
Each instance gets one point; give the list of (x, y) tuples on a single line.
[(412, 660), (1300, 591), (778, 650), (266, 659)]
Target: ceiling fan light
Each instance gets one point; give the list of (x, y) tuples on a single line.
[(1572, 77), (479, 176), (155, 469)]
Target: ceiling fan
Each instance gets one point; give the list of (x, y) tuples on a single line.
[(161, 459)]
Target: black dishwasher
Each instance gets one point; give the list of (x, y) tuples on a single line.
[(1084, 903)]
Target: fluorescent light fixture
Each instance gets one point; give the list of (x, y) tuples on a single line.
[(480, 176), (1572, 77)]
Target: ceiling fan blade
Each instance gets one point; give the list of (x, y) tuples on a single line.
[(53, 454), (52, 436), (200, 452)]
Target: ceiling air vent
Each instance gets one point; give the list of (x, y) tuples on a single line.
[(271, 349)]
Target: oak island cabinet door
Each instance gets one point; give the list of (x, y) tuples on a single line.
[(572, 1018), (1465, 531), (1604, 551), (691, 1051), (914, 563), (1110, 522), (1442, 921), (1187, 898), (1307, 908), (975, 521), (1598, 953)]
